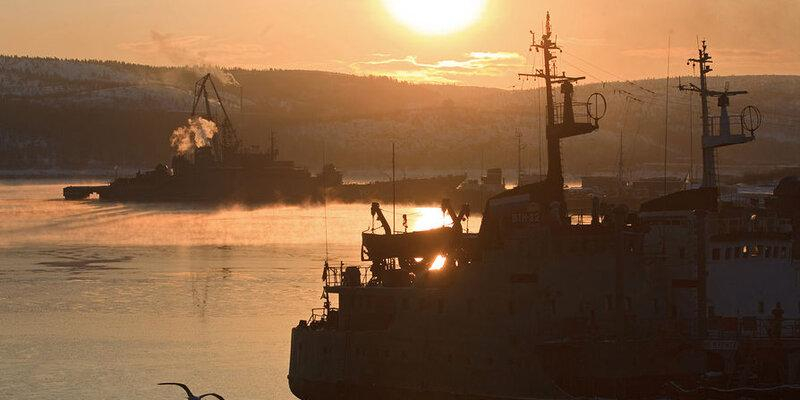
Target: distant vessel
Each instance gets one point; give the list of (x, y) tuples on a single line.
[(688, 298), (473, 191), (217, 169)]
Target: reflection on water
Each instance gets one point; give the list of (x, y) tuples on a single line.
[(99, 299)]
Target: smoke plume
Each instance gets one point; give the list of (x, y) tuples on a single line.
[(197, 133)]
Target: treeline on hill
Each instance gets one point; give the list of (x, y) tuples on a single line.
[(95, 114)]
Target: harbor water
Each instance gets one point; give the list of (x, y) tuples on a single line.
[(104, 300)]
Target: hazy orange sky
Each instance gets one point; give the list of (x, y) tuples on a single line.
[(622, 39)]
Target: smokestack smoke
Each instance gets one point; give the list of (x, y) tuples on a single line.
[(197, 133)]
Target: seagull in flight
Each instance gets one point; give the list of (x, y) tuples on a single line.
[(189, 394)]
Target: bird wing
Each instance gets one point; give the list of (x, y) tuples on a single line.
[(186, 388), (212, 394)]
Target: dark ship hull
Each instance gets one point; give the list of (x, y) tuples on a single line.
[(262, 186), (409, 191)]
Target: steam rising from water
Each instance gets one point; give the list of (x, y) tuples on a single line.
[(197, 133), (34, 213)]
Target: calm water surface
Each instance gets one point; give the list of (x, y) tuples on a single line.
[(103, 301)]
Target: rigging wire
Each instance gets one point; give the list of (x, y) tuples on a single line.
[(325, 199), (666, 114)]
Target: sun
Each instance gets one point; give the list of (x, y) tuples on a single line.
[(435, 17)]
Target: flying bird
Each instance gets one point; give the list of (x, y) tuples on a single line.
[(189, 394)]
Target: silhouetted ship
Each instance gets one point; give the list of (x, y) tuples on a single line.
[(687, 298), (211, 166)]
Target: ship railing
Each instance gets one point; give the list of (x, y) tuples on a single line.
[(717, 328), (757, 224), (734, 122), (318, 315), (755, 328), (579, 110), (321, 318), (339, 275)]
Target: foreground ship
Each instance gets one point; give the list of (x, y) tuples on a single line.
[(689, 297)]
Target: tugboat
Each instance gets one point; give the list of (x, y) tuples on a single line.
[(689, 298)]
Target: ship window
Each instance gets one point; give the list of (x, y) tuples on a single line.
[(728, 253), (745, 251), (714, 254), (760, 307)]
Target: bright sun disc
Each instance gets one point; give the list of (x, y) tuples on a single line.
[(435, 17)]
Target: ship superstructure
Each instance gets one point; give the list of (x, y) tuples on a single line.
[(533, 306), (732, 267), (683, 297)]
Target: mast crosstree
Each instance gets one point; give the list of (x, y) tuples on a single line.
[(749, 119), (560, 118)]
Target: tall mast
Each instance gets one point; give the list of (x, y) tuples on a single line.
[(558, 126), (394, 193), (723, 136), (519, 158)]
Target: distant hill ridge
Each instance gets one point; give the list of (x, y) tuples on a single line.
[(97, 114)]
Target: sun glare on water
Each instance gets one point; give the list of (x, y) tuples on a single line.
[(425, 218), (436, 17)]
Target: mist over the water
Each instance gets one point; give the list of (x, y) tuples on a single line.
[(102, 300)]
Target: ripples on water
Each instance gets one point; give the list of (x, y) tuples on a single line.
[(102, 300)]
